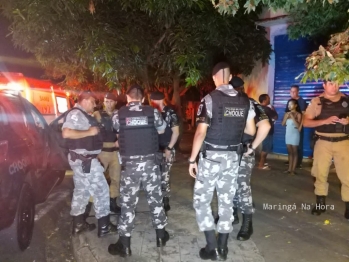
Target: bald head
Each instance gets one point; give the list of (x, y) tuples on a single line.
[(221, 74)]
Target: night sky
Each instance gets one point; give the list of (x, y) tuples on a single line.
[(13, 59)]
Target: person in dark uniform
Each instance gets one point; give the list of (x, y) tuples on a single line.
[(329, 115), (138, 127), (167, 140), (243, 196), (109, 156), (223, 116), (85, 143)]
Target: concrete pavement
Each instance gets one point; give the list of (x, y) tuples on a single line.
[(284, 229)]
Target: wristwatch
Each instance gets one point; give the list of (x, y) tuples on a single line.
[(250, 146), (191, 162), (169, 148)]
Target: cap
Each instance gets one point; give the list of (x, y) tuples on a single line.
[(86, 94), (157, 96), (111, 96), (236, 82)]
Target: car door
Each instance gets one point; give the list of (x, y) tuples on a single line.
[(37, 129), (45, 176), (5, 183), (14, 159)]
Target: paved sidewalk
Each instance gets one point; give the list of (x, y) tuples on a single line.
[(284, 229), (185, 238)]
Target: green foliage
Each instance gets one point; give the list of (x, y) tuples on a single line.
[(144, 41), (232, 6), (331, 63), (312, 18), (318, 19)]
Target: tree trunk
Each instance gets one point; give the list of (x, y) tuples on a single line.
[(176, 101)]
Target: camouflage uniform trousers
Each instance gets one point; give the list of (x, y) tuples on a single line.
[(134, 174), (89, 184), (165, 173), (110, 162), (219, 170), (243, 195)]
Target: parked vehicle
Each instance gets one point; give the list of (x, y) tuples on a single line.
[(27, 169)]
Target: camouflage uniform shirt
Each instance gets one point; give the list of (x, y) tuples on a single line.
[(76, 120)]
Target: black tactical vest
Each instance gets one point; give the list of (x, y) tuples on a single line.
[(89, 143), (107, 132), (137, 134), (328, 109), (258, 110), (165, 138), (229, 114)]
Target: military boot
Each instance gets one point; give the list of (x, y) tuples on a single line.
[(121, 248), (320, 206), (114, 206), (87, 214), (80, 225), (236, 217), (222, 243), (211, 249), (105, 227), (246, 229), (346, 214), (162, 236), (88, 210), (166, 202)]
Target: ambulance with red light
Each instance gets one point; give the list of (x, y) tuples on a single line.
[(48, 98)]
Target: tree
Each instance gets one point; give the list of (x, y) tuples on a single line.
[(232, 6), (318, 19), (141, 41), (322, 20), (313, 18), (332, 62)]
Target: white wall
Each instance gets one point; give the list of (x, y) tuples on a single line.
[(262, 78)]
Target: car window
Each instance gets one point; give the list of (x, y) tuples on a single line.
[(3, 116), (62, 104), (37, 124), (3, 120), (39, 120), (13, 111)]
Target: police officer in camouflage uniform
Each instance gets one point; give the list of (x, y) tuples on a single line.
[(109, 156), (84, 141), (243, 195), (138, 127), (223, 116), (167, 140)]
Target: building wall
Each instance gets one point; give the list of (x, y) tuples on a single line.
[(261, 80)]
